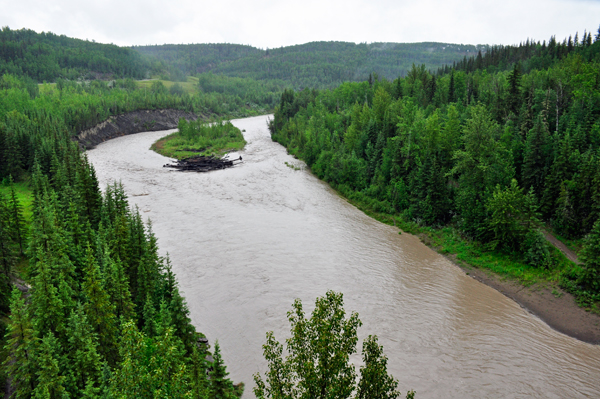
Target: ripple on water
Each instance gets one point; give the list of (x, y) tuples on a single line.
[(246, 241)]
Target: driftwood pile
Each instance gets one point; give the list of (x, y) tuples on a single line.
[(201, 163)]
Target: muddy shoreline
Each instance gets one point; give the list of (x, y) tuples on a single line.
[(551, 304)]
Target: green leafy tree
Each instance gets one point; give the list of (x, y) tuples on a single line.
[(317, 364), (512, 215), (374, 380)]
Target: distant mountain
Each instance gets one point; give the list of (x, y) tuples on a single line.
[(47, 57), (316, 64)]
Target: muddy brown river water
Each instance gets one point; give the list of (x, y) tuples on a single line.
[(246, 241)]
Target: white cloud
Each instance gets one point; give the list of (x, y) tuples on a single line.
[(268, 23)]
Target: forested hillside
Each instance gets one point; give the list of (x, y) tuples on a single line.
[(45, 57), (496, 157), (94, 310), (317, 64)]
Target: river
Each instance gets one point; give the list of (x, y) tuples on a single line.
[(246, 241)]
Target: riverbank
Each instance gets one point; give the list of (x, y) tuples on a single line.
[(534, 290), (551, 304), (130, 123)]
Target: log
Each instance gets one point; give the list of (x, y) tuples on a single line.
[(201, 163)]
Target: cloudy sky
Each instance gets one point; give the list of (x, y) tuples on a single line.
[(270, 23)]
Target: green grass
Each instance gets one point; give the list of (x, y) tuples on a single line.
[(24, 196), (203, 139), (190, 86)]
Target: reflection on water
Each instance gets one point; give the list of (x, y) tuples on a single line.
[(246, 241)]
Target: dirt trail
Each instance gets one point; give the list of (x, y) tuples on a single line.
[(561, 247)]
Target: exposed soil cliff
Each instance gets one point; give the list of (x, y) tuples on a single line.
[(130, 123)]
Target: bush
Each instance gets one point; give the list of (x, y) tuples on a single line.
[(536, 249)]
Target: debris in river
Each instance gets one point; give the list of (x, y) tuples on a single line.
[(201, 163)]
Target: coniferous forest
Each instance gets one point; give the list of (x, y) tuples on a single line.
[(91, 309), (492, 146), (493, 152)]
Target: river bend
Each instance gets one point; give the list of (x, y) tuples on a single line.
[(246, 241)]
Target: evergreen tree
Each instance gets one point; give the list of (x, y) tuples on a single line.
[(514, 90), (84, 363), (452, 89), (50, 379), (484, 163), (47, 307), (21, 345), (8, 252), (16, 215), (590, 258), (220, 385), (99, 309)]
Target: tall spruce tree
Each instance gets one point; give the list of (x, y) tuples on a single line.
[(21, 344)]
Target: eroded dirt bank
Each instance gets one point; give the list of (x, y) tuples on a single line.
[(130, 123)]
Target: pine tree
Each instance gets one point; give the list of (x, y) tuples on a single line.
[(536, 157), (50, 379), (220, 386), (451, 89), (199, 384), (21, 346), (590, 258), (8, 253), (99, 309), (514, 90), (17, 219), (117, 288), (47, 307), (84, 362)]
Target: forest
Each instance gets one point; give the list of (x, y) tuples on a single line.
[(89, 308), (312, 65), (45, 57), (493, 152)]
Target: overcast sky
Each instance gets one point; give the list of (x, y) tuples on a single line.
[(270, 23)]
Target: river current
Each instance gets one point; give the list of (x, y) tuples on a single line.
[(246, 241)]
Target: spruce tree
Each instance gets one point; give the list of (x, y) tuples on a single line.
[(451, 89), (514, 90), (99, 309), (47, 307), (21, 345), (17, 220), (84, 363), (220, 386), (590, 259), (50, 380), (8, 252)]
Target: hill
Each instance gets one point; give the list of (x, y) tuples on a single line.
[(47, 57), (316, 64)]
